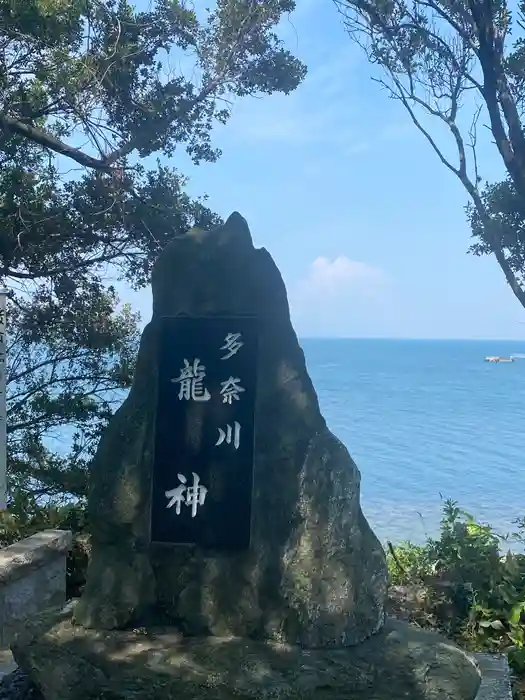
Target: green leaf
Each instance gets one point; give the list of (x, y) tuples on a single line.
[(497, 625), (516, 612)]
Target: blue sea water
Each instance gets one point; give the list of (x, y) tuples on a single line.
[(424, 418)]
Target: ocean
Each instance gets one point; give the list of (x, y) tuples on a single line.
[(427, 420)]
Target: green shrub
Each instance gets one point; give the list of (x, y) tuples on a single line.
[(475, 592), (407, 563)]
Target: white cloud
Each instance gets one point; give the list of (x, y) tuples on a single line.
[(340, 276), (339, 297)]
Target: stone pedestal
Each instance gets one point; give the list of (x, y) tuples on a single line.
[(74, 663)]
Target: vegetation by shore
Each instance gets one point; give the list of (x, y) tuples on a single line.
[(466, 582)]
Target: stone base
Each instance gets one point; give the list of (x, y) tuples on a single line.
[(73, 663)]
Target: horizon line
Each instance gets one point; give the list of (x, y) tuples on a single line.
[(402, 338)]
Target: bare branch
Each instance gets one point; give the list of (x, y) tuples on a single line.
[(431, 71), (473, 140)]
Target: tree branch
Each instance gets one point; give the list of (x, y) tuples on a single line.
[(387, 47), (496, 93), (105, 164), (79, 265), (462, 175), (48, 141), (51, 361)]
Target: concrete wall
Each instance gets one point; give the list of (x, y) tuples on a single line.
[(32, 577)]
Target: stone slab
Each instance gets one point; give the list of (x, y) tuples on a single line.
[(31, 552), (495, 677), (32, 578), (68, 662)]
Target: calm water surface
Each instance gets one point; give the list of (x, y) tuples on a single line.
[(424, 418)]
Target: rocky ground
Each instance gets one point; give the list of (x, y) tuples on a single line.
[(412, 604)]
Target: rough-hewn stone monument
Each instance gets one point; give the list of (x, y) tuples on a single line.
[(295, 612)]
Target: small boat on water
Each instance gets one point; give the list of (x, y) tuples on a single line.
[(496, 358)]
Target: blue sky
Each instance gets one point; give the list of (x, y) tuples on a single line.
[(366, 225)]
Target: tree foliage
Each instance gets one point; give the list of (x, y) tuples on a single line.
[(93, 94), (93, 83), (105, 70), (70, 357), (457, 62)]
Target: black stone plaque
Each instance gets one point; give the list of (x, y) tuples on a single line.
[(204, 438)]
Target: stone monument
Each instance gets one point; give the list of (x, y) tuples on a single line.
[(230, 556)]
